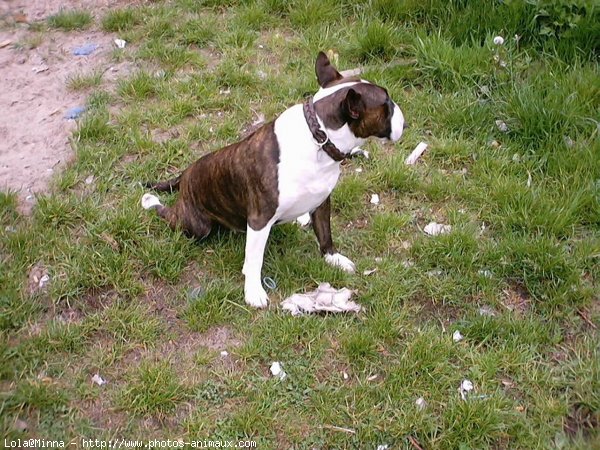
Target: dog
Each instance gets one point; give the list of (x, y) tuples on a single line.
[(281, 171)]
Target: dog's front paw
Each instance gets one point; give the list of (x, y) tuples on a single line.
[(256, 296), (339, 260)]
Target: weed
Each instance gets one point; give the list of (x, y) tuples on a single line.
[(69, 20)]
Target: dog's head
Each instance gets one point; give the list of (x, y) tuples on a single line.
[(366, 108)]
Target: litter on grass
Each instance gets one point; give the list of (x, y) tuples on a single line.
[(324, 299), (224, 353), (277, 371), (75, 112), (369, 272), (303, 220), (501, 125), (466, 386), (269, 283), (421, 403), (457, 336), (487, 311), (120, 43), (433, 229), (97, 379), (416, 154), (375, 199), (85, 50), (357, 151)]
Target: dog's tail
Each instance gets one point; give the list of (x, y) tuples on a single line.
[(164, 186)]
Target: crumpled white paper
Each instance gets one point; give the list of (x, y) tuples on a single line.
[(324, 299), (465, 387), (433, 228), (97, 379), (416, 154), (277, 371)]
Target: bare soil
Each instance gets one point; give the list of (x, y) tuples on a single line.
[(34, 69)]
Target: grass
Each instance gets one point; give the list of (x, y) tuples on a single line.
[(151, 310), (69, 20)]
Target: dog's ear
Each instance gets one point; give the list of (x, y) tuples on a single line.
[(353, 105), (326, 73)]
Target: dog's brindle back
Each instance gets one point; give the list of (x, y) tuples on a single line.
[(250, 166)]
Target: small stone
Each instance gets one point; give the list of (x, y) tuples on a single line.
[(375, 199)]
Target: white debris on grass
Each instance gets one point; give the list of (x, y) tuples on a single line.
[(277, 371), (44, 280), (357, 151), (498, 40), (324, 299), (120, 43), (434, 228), (375, 199), (501, 125), (97, 379), (369, 272), (457, 336), (487, 311), (416, 154), (421, 403), (466, 386), (224, 353), (303, 220)]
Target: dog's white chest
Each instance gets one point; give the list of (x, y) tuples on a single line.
[(306, 174)]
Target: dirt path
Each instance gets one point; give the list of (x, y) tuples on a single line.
[(34, 69)]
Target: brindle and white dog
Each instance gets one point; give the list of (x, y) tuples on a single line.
[(283, 170)]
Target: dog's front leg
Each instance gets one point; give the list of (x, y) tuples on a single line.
[(320, 218), (256, 240)]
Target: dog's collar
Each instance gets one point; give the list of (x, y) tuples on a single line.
[(321, 138)]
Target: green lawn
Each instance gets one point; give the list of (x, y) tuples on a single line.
[(518, 276)]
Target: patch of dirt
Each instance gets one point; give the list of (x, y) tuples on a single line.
[(517, 299), (37, 279), (432, 310), (582, 419), (35, 66)]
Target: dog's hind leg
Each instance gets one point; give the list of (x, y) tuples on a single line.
[(191, 222)]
